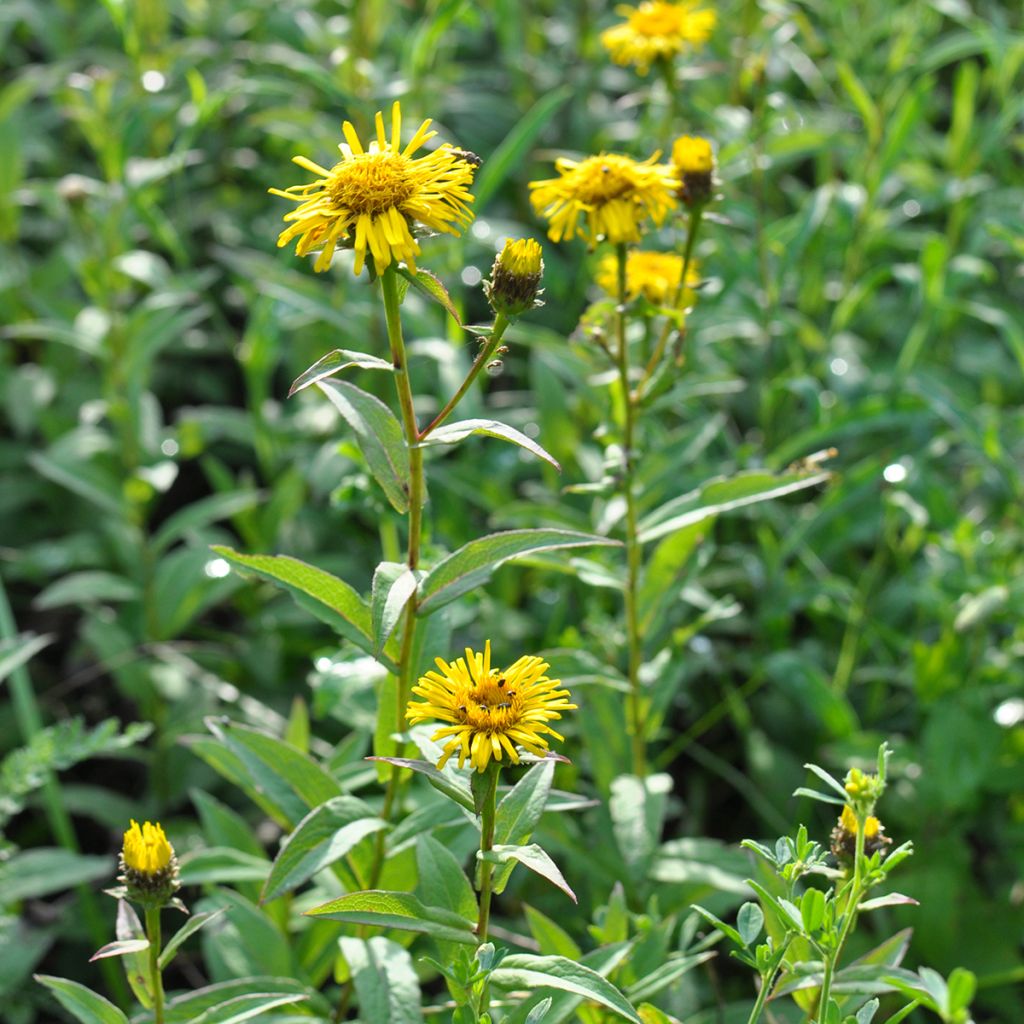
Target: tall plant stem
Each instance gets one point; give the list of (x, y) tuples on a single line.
[(487, 815), (417, 494), (692, 230), (155, 974), (483, 358), (849, 916), (636, 722)]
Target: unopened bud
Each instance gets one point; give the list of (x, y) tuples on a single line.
[(515, 277), (149, 868), (693, 163)]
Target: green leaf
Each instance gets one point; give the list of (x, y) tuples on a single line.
[(524, 970), (199, 514), (128, 928), (720, 925), (441, 781), (245, 1007), (637, 808), (379, 436), (335, 362), (83, 588), (333, 600), (519, 811), (191, 926), (293, 781), (533, 857), (749, 922), (452, 433), (41, 871), (385, 980), (668, 973), (723, 494), (324, 836), (442, 882), (237, 996), (222, 864), (515, 146), (429, 285), (812, 909), (472, 565), (962, 986), (81, 1002), (120, 947), (397, 910), (393, 584), (17, 650), (552, 938)]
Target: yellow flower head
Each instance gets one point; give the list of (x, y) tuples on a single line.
[(848, 821), (515, 277), (657, 31), (522, 257), (655, 275), (373, 198), (692, 155), (146, 849), (490, 711), (613, 193)]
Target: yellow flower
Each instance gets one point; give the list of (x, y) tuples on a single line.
[(146, 849), (657, 31), (692, 155), (848, 821), (374, 198), (490, 711), (614, 194), (655, 275), (515, 277)]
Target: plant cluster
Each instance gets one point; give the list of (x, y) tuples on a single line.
[(383, 850)]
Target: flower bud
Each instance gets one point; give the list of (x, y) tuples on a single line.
[(515, 277), (693, 163), (149, 868), (844, 836)]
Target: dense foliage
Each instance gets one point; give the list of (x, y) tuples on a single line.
[(861, 288)]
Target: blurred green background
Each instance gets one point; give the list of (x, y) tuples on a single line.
[(863, 287)]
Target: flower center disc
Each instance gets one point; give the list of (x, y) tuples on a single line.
[(490, 706), (601, 180), (371, 182)]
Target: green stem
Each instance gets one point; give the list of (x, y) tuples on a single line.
[(766, 986), (30, 722), (417, 494), (692, 230), (487, 814), (155, 974), (632, 539), (501, 324), (849, 916)]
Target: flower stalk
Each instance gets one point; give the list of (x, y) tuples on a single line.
[(417, 495), (692, 230), (488, 810), (155, 973), (636, 723), (501, 323)]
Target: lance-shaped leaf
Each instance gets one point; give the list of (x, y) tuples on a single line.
[(324, 836), (472, 565), (452, 433), (430, 286), (379, 436), (120, 948), (722, 495), (397, 910), (519, 811), (334, 362), (385, 980), (82, 1003), (393, 584), (329, 598), (526, 971), (533, 857), (440, 780), (185, 931)]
